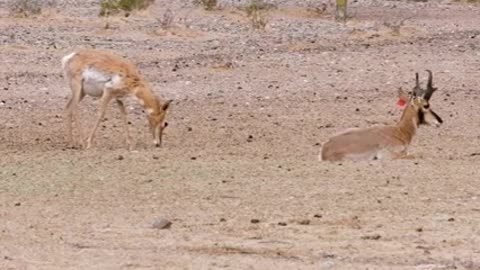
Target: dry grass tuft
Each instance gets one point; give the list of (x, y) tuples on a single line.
[(207, 4), (113, 7), (28, 8), (256, 11)]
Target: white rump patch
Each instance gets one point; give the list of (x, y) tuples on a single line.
[(67, 58)]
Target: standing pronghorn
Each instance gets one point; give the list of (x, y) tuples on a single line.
[(109, 76), (386, 142)]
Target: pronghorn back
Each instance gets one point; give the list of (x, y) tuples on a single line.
[(103, 61)]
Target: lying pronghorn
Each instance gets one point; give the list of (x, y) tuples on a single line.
[(386, 142), (109, 76)]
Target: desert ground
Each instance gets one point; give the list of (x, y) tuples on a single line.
[(238, 174)]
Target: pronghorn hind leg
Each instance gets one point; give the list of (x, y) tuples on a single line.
[(71, 110), (106, 97), (123, 112)]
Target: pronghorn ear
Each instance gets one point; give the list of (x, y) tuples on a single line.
[(166, 104), (402, 97)]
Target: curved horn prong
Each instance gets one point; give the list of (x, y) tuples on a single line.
[(430, 89), (417, 90), (430, 77)]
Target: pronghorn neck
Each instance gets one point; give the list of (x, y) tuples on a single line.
[(147, 99), (408, 123)]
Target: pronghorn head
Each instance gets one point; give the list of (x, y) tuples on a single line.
[(419, 100), (156, 121)]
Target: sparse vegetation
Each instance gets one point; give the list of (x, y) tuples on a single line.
[(259, 20), (341, 10), (394, 26), (207, 4), (111, 7), (257, 5), (167, 19), (26, 8), (320, 9), (256, 11)]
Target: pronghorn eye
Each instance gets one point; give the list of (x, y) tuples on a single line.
[(165, 124)]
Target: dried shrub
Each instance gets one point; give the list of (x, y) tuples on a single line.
[(394, 26), (320, 9), (256, 11), (167, 19), (26, 8), (341, 10), (207, 4), (256, 6), (258, 19), (112, 7)]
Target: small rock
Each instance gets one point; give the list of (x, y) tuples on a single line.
[(120, 157), (317, 216), (161, 223), (282, 224), (222, 220), (451, 219), (304, 222), (371, 237), (255, 220), (18, 204)]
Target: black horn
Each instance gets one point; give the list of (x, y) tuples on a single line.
[(430, 88), (417, 91)]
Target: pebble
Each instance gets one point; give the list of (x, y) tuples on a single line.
[(161, 223)]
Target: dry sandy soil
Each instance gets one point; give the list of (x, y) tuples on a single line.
[(238, 173)]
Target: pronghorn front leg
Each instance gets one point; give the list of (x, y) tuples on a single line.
[(106, 97), (123, 112), (71, 111)]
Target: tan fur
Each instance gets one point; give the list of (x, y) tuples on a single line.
[(108, 76), (383, 142)]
